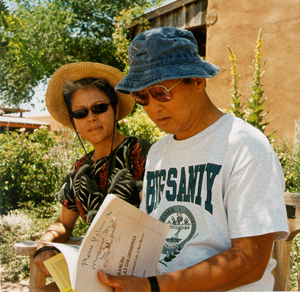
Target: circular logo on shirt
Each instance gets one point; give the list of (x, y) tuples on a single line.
[(183, 227)]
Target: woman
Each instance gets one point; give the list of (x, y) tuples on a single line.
[(81, 96)]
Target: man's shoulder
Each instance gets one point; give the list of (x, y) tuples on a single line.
[(244, 129), (162, 143), (241, 133)]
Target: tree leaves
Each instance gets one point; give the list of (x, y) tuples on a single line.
[(38, 37)]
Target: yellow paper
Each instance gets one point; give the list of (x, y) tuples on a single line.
[(58, 268)]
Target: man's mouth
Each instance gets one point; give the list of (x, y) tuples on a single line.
[(163, 119)]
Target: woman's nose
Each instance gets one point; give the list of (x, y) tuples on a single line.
[(91, 116)]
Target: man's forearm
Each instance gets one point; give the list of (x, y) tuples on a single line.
[(240, 265)]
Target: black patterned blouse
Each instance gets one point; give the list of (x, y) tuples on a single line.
[(83, 189)]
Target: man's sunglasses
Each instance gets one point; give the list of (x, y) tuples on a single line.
[(96, 109), (159, 92)]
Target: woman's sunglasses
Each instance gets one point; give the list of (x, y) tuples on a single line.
[(96, 109), (159, 92)]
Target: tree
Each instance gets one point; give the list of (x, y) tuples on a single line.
[(40, 36), (33, 47)]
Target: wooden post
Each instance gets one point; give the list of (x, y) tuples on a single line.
[(36, 278), (281, 253), (282, 248)]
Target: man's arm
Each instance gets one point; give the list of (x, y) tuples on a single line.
[(244, 263)]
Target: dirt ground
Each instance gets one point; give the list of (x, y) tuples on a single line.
[(22, 286)]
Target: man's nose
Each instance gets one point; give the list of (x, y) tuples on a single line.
[(154, 105)]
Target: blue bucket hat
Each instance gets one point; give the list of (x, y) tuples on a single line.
[(162, 54)]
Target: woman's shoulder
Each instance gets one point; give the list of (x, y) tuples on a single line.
[(132, 141), (136, 143), (79, 162)]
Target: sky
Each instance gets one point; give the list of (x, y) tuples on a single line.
[(40, 108)]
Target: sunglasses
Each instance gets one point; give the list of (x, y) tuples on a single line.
[(96, 109), (159, 92)]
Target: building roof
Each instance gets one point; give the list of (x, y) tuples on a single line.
[(167, 6), (163, 4), (7, 110), (18, 120)]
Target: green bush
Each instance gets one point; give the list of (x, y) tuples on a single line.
[(26, 224), (26, 172), (32, 168), (294, 263), (290, 161), (140, 125), (34, 165)]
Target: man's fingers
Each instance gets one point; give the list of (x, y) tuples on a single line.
[(124, 283), (102, 276), (109, 279), (113, 281)]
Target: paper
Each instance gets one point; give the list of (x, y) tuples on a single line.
[(58, 268), (122, 240)]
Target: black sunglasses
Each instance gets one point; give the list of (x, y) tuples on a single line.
[(96, 109)]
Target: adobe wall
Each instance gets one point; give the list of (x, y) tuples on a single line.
[(237, 25), (54, 125)]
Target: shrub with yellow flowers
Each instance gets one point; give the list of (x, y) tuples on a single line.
[(254, 114)]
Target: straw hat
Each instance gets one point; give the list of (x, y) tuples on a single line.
[(75, 71)]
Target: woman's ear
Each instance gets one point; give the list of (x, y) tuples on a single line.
[(117, 111)]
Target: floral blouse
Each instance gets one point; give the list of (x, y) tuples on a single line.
[(86, 185)]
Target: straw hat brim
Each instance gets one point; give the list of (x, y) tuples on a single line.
[(75, 71)]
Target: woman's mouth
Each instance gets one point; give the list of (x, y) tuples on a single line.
[(94, 128)]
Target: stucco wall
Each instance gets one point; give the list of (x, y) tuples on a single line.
[(238, 25), (54, 125)]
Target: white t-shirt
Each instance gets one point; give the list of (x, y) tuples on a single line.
[(225, 182)]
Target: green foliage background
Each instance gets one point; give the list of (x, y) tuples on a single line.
[(39, 36), (140, 125), (33, 166)]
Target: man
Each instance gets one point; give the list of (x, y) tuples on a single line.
[(216, 180)]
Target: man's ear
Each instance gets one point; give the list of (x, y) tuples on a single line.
[(199, 83)]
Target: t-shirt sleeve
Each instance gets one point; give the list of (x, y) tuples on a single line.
[(254, 199)]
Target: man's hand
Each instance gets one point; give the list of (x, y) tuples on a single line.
[(125, 283)]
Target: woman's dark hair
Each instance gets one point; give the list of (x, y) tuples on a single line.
[(70, 87)]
